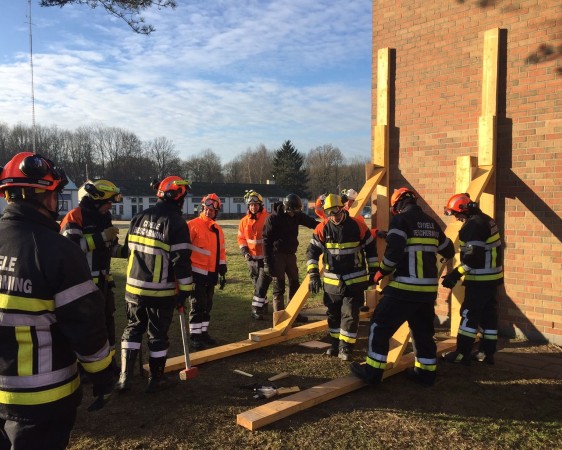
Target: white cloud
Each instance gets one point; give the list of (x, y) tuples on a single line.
[(216, 74)]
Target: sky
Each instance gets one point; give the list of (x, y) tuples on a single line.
[(216, 74)]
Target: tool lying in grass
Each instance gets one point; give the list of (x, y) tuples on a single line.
[(261, 391), (189, 372)]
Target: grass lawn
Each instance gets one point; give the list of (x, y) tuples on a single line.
[(477, 407)]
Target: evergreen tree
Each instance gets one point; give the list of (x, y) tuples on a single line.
[(289, 169)]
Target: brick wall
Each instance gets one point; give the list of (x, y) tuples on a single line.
[(435, 119)]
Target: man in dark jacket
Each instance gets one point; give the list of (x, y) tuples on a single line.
[(482, 268), (280, 244), (413, 241), (52, 313), (158, 279)]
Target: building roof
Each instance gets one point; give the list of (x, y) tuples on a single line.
[(142, 188)]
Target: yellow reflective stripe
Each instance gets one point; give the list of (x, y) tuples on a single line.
[(157, 268), (26, 304), (90, 241), (428, 367), (150, 292), (130, 263), (410, 287), (331, 281), (186, 287), (420, 240), (493, 238), (348, 339), (467, 333), (494, 257), (342, 244), (419, 264), (375, 364), (41, 397), (150, 242), (25, 351), (494, 276), (461, 270), (311, 266), (97, 366), (335, 335), (357, 280)]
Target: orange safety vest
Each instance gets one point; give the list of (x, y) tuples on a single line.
[(250, 233), (203, 232)]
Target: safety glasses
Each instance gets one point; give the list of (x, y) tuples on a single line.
[(211, 204), (334, 211)]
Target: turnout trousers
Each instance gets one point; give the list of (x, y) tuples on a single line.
[(201, 306), (259, 299), (52, 433), (140, 319), (343, 317), (479, 310), (389, 315), (284, 264)]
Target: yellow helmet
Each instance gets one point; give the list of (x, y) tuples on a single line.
[(253, 197), (100, 191), (332, 204)]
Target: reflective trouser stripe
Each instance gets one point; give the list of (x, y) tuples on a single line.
[(25, 351)]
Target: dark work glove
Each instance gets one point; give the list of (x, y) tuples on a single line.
[(222, 282), (222, 269), (246, 253), (268, 270), (248, 257), (314, 285), (180, 299), (381, 234), (451, 279), (101, 389)]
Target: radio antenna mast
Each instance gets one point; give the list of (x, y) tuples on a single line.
[(32, 85)]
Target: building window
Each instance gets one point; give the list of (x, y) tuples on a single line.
[(63, 205)]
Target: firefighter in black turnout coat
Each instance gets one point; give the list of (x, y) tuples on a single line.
[(482, 268), (350, 257), (413, 241), (51, 313)]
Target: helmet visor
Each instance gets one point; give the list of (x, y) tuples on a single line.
[(211, 204), (334, 211)]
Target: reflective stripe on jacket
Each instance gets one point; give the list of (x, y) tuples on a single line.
[(51, 313), (348, 251), (207, 245), (159, 260), (413, 241), (250, 231)]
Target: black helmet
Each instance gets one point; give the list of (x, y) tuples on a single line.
[(292, 203)]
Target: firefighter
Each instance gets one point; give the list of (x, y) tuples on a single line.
[(208, 259), (158, 279), (52, 313), (481, 258), (251, 245), (280, 244), (350, 258), (90, 226), (413, 241)]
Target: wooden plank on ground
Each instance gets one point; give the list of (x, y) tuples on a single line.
[(278, 409)]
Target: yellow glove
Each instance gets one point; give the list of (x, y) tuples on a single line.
[(110, 234)]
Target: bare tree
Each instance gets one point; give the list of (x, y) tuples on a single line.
[(127, 10), (205, 167), (163, 154), (324, 169)]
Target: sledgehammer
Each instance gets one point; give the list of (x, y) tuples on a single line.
[(189, 372)]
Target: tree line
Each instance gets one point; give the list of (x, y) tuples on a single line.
[(113, 153)]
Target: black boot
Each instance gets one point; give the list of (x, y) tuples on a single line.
[(156, 380), (128, 358), (196, 342), (207, 339), (424, 377), (367, 373), (456, 357), (256, 313), (345, 351), (301, 319), (335, 348)]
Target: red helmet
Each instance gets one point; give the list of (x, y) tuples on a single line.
[(32, 171), (398, 195), (459, 204), (212, 201), (173, 188)]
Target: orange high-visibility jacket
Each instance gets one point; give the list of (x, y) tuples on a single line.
[(207, 245), (250, 233)]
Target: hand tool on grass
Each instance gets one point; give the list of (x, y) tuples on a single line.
[(189, 372)]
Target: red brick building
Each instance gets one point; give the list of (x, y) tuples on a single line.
[(438, 88)]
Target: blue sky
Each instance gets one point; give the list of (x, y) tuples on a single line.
[(219, 74)]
